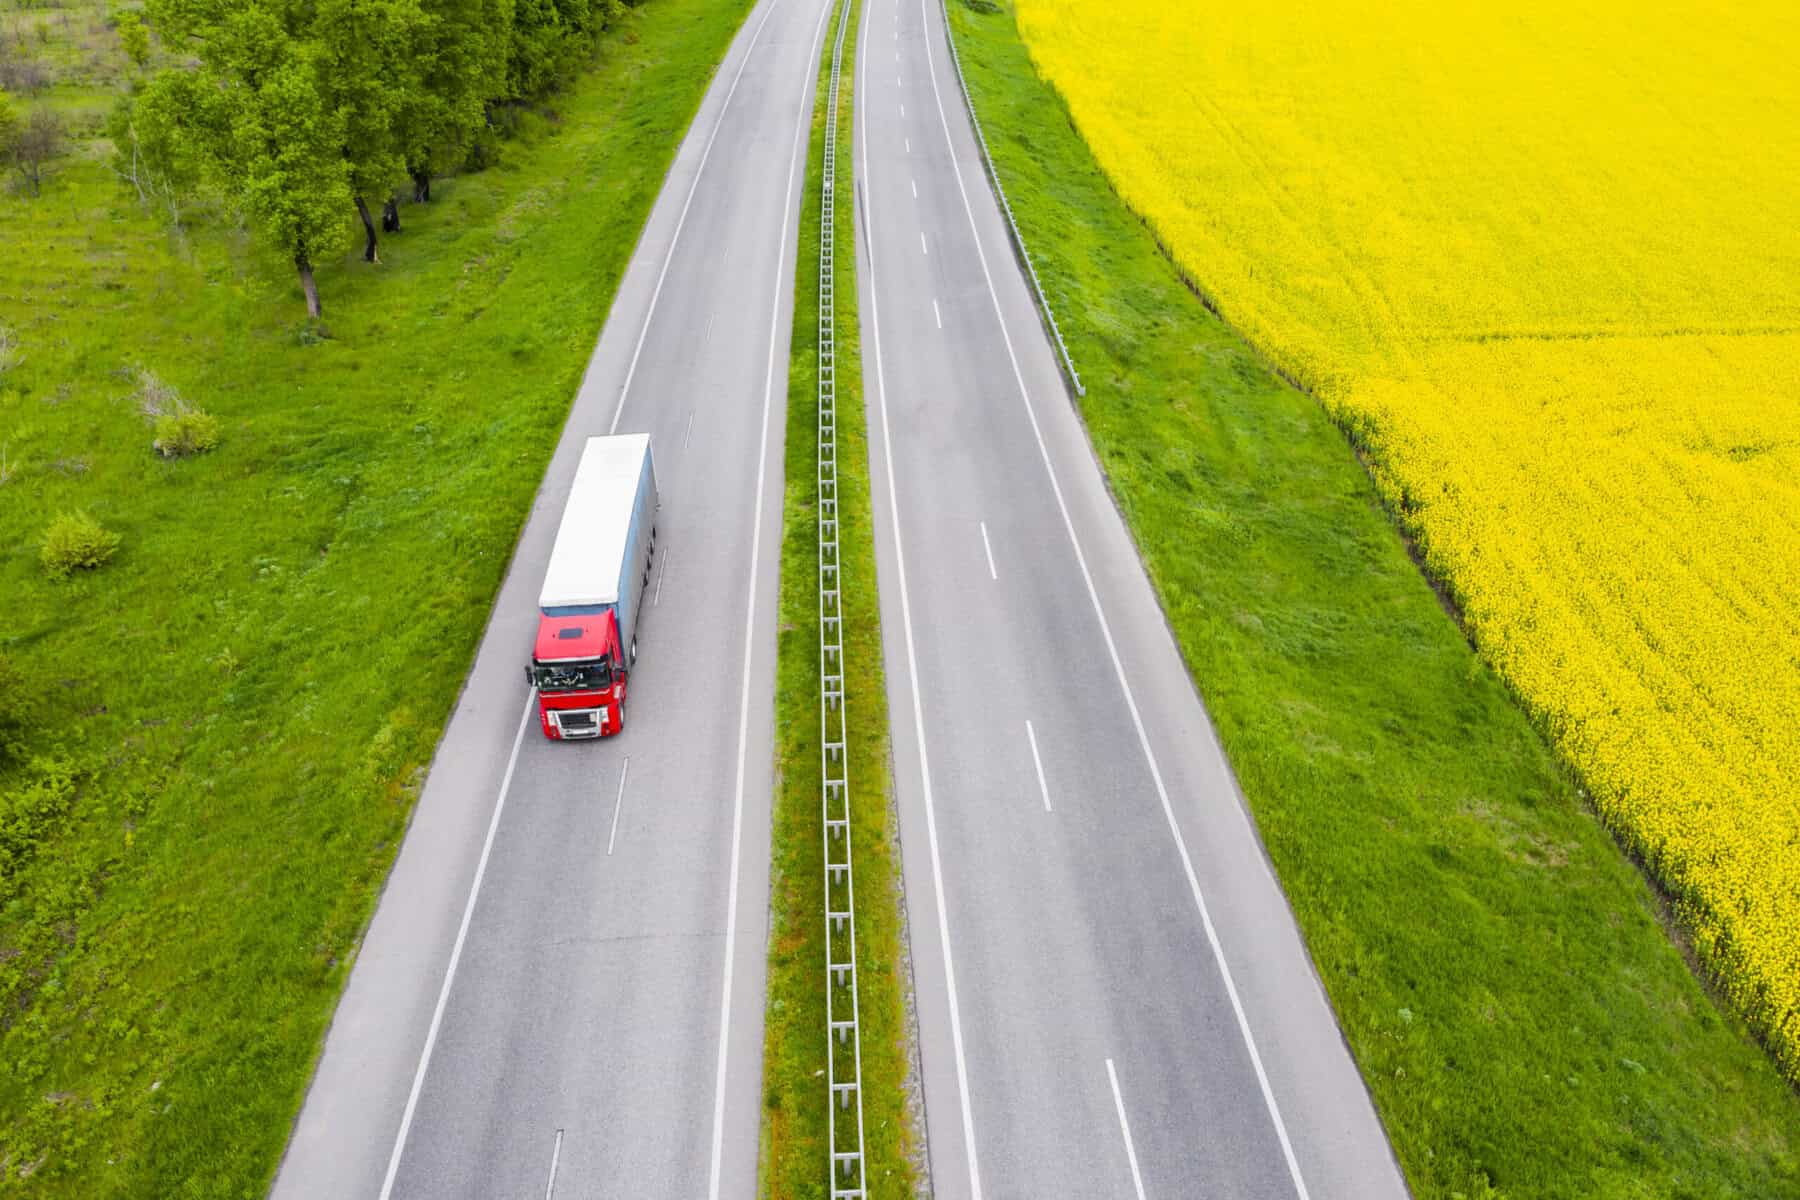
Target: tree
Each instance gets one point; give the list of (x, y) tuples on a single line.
[(460, 54), (149, 149), (134, 38), (550, 39), (255, 118), (288, 155), (370, 80), (34, 143)]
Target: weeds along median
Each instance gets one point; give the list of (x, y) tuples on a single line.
[(795, 1158), (1501, 971), (233, 712)]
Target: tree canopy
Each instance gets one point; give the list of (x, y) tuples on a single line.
[(302, 111)]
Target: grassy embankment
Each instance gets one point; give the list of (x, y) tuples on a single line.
[(248, 692), (795, 1160), (1503, 974)]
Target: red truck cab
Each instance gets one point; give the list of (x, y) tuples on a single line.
[(580, 674)]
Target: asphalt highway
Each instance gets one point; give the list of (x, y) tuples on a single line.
[(1113, 997), (561, 992)]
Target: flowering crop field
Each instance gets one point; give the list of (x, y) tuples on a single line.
[(1543, 263)]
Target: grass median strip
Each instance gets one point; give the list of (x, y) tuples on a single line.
[(246, 695), (795, 1158), (1502, 973)]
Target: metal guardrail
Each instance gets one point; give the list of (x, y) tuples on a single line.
[(1018, 239), (842, 1017)]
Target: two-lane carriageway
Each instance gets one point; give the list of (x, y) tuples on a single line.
[(1113, 998), (561, 992)]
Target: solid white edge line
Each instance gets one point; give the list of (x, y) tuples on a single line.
[(1137, 720), (555, 1157), (762, 461), (988, 549), (619, 803), (1043, 787), (456, 949), (912, 666), (681, 221), (1137, 1181)]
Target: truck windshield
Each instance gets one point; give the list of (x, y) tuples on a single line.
[(575, 610), (572, 676)]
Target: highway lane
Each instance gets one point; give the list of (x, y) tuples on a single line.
[(563, 983), (1113, 997)]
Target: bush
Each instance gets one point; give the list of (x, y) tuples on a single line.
[(76, 542), (180, 429), (185, 431)]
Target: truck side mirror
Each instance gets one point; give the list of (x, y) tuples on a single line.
[(529, 681)]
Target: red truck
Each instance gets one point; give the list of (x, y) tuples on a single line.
[(594, 589)]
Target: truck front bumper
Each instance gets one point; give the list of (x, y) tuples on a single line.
[(570, 724)]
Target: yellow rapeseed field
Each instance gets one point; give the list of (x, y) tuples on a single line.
[(1543, 260)]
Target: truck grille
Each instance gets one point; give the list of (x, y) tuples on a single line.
[(578, 724)]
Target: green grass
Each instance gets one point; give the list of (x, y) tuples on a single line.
[(795, 1159), (235, 711), (1503, 973)]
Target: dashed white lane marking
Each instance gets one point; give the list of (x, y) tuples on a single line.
[(903, 110), (1043, 788), (661, 574), (456, 949), (688, 436), (1112, 649), (909, 145), (555, 1157), (915, 188), (1039, 765), (619, 802), (988, 549), (923, 248), (936, 313), (1137, 1181)]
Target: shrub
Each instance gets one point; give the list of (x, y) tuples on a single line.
[(180, 429), (184, 432), (76, 542)]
